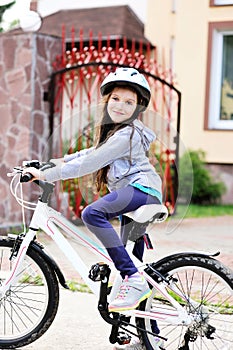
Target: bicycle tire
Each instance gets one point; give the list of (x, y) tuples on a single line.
[(30, 306), (210, 285)]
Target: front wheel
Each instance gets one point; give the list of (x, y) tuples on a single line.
[(30, 305), (206, 292)]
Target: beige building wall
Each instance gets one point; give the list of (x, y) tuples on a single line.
[(179, 28)]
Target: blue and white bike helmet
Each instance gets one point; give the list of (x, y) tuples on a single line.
[(128, 77)]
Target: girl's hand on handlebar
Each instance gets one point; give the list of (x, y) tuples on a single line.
[(37, 174)]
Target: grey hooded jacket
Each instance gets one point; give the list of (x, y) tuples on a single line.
[(125, 166)]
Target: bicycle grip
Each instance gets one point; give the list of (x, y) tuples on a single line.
[(26, 177)]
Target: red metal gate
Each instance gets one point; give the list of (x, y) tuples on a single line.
[(75, 94)]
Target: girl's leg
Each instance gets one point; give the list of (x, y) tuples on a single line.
[(96, 217), (138, 251), (126, 226)]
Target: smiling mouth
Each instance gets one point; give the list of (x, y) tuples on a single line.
[(118, 113)]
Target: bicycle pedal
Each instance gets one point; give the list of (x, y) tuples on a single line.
[(123, 339), (99, 271)]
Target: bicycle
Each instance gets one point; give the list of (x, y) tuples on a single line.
[(192, 292)]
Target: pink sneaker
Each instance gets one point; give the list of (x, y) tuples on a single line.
[(132, 292)]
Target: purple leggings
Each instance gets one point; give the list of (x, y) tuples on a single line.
[(96, 217)]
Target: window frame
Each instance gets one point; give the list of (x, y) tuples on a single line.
[(214, 76)]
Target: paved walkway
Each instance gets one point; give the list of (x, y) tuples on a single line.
[(78, 324)]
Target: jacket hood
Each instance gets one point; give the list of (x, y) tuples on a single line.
[(147, 134)]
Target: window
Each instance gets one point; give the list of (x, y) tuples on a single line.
[(220, 2), (220, 77), (174, 6)]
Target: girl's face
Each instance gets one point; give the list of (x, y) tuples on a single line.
[(121, 104)]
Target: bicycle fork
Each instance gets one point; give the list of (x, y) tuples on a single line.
[(22, 243), (18, 255)]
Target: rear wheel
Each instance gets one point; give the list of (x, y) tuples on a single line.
[(206, 292), (29, 307)]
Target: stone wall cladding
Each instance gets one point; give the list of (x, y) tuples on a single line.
[(25, 67)]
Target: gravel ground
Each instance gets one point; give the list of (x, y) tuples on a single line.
[(78, 324)]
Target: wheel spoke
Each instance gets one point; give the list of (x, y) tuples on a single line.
[(204, 287), (24, 307)]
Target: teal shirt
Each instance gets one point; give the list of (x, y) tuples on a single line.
[(149, 190)]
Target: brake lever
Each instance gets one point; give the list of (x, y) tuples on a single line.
[(32, 163), (47, 165), (17, 170), (38, 165)]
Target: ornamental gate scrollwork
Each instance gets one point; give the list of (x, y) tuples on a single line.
[(74, 99)]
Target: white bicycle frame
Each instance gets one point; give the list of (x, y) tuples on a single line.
[(49, 220)]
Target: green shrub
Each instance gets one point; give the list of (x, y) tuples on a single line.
[(205, 189)]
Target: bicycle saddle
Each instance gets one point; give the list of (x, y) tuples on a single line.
[(150, 212)]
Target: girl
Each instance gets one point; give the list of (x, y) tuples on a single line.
[(119, 160)]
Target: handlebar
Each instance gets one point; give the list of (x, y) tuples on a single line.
[(37, 165), (47, 187), (26, 177)]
